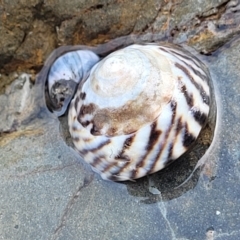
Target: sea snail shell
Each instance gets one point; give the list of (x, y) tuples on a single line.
[(139, 109), (64, 76)]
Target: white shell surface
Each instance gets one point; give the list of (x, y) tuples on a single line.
[(64, 76), (141, 108), (74, 65)]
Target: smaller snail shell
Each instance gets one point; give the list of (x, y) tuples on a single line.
[(140, 108), (64, 76)]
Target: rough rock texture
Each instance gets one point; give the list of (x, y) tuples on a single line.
[(30, 30), (46, 190)]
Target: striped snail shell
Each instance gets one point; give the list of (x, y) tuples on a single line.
[(139, 109), (64, 76)]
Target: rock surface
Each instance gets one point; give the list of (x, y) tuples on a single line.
[(46, 190), (30, 30)]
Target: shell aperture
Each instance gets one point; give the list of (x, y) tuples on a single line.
[(139, 109)]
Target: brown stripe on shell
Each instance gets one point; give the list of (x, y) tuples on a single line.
[(154, 135), (203, 77), (170, 148), (95, 131), (163, 49), (127, 144), (82, 152), (179, 126), (108, 167), (76, 139), (188, 96), (169, 159), (95, 149), (183, 55), (199, 116), (177, 131), (87, 109), (197, 72), (173, 107), (203, 94), (85, 124), (123, 157), (188, 138), (82, 95), (191, 58), (97, 160), (114, 178), (133, 173), (74, 128), (153, 139), (103, 144), (162, 147), (115, 173), (87, 139)]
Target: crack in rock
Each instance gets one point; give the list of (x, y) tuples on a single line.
[(71, 202)]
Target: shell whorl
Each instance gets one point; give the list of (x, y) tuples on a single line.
[(125, 87), (141, 108), (64, 76)]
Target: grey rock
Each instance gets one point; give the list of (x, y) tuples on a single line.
[(14, 102)]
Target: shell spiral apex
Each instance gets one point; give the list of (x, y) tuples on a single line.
[(140, 108)]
